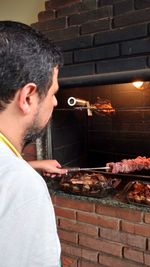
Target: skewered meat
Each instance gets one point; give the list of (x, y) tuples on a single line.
[(104, 106), (129, 165)]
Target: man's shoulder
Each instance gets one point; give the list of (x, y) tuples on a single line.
[(18, 174), (30, 179), (21, 176)]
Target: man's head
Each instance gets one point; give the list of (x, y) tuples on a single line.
[(25, 56), (29, 65)]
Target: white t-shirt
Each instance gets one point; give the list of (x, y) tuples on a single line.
[(28, 234)]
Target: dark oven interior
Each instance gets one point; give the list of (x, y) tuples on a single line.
[(81, 140)]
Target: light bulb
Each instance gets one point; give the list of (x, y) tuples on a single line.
[(138, 84)]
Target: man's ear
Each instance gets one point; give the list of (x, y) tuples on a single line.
[(26, 96)]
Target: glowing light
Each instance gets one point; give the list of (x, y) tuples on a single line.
[(138, 84)]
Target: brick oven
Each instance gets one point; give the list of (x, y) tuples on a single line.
[(106, 46)]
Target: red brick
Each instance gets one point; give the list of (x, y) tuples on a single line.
[(125, 238), (68, 236), (138, 229), (104, 221), (90, 255), (122, 213), (53, 199), (78, 227), (51, 25), (83, 263), (46, 15), (66, 213), (101, 245), (70, 250), (116, 262), (80, 252), (68, 261), (65, 34), (134, 255), (74, 204), (147, 259), (147, 217)]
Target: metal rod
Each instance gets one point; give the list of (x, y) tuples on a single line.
[(72, 101), (101, 109), (128, 175), (76, 169)]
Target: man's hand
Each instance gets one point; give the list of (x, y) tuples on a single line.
[(48, 167)]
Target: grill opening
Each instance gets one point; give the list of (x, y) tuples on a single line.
[(76, 139)]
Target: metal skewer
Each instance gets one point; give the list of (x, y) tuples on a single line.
[(76, 169), (134, 109)]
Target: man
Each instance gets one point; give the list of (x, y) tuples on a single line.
[(29, 66)]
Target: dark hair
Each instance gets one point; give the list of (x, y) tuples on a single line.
[(25, 56)]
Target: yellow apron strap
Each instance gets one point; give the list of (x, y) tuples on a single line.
[(4, 140)]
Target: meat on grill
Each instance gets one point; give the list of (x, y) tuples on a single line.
[(85, 182), (129, 165), (104, 106), (140, 193)]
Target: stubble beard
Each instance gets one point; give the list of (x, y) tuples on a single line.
[(33, 132)]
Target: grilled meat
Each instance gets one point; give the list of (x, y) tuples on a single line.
[(139, 193), (129, 165), (104, 106), (85, 183)]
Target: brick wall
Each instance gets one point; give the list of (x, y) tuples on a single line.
[(98, 37), (95, 235)]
